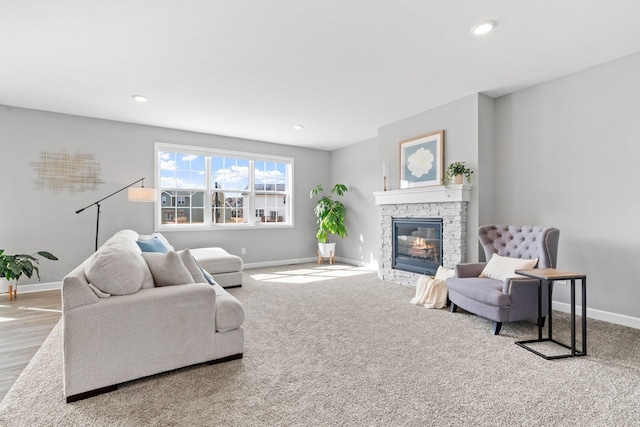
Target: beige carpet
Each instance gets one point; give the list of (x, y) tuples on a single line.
[(338, 346)]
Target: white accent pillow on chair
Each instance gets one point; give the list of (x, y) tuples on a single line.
[(502, 267)]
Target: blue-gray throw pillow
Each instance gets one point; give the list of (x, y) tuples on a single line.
[(152, 245), (205, 273)]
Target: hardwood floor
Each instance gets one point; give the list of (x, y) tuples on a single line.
[(25, 323)]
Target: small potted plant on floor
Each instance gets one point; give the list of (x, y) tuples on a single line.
[(330, 219), (455, 173), (12, 267)]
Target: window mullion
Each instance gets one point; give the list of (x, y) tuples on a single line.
[(208, 200), (252, 189)]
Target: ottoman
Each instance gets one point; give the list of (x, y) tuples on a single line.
[(225, 268)]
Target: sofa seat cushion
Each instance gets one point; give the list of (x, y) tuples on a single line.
[(229, 311), (217, 260), (487, 291)]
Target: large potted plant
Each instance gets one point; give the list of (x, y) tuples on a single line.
[(330, 219), (12, 267)]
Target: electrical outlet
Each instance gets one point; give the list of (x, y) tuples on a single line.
[(243, 251)]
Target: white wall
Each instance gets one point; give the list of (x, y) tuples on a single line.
[(567, 154), (33, 220)]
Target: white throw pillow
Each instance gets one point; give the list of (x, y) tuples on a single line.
[(167, 269), (445, 273), (501, 267), (116, 270)]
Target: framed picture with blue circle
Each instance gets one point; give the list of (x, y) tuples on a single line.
[(422, 160)]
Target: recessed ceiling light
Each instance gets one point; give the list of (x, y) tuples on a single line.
[(298, 127), (483, 28), (140, 98)]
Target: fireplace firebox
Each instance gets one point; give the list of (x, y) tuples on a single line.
[(417, 244)]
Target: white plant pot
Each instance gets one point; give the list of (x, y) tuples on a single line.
[(327, 249)]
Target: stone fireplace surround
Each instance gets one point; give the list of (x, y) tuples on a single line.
[(446, 202)]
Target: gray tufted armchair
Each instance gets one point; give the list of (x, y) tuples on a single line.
[(515, 298)]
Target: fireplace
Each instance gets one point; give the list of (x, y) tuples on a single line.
[(417, 244), (449, 203)]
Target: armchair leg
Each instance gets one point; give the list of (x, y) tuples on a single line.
[(453, 307), (495, 327)]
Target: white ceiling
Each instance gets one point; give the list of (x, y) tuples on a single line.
[(254, 68)]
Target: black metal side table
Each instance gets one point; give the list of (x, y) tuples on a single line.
[(549, 275)]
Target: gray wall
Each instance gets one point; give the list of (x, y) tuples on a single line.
[(359, 167), (33, 220), (567, 155), (459, 119), (485, 176)]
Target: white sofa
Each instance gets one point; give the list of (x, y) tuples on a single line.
[(114, 339)]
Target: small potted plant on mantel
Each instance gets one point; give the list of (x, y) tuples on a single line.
[(12, 267), (456, 172), (330, 219)]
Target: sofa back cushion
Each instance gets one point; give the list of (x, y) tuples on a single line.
[(128, 238), (116, 269)]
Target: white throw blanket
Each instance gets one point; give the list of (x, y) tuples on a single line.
[(431, 292)]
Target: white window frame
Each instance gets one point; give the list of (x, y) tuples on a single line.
[(208, 221)]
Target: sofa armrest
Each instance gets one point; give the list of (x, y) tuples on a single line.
[(76, 291), (470, 269), (121, 338)]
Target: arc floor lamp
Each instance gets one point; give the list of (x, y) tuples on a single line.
[(136, 194)]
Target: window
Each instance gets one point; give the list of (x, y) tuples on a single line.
[(203, 187)]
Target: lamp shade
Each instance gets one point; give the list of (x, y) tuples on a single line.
[(142, 194)]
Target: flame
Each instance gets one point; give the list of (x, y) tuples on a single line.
[(420, 248)]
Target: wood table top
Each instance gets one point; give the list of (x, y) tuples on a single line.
[(550, 274)]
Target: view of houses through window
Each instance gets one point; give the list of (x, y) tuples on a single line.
[(209, 187)]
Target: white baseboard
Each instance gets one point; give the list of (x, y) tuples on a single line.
[(278, 263), (372, 266), (592, 313), (298, 261), (37, 287), (351, 261)]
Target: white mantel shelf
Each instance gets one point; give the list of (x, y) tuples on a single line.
[(435, 194)]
